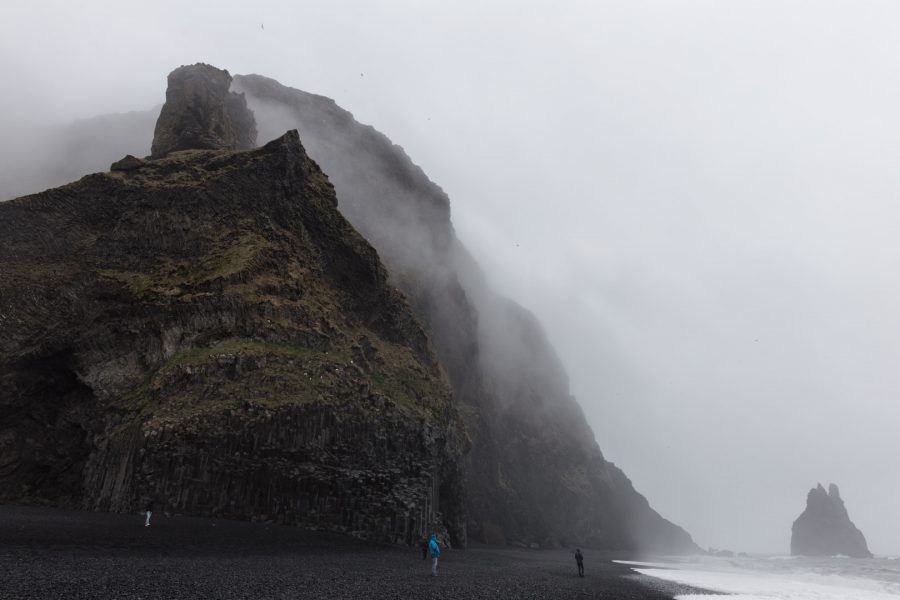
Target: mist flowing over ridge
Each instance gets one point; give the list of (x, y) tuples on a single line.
[(696, 200), (536, 476)]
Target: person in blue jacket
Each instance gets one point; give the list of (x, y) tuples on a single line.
[(435, 552)]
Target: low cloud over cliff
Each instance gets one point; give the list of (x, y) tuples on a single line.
[(697, 202)]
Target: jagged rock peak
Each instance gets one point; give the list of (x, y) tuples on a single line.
[(825, 528), (202, 113), (245, 358)]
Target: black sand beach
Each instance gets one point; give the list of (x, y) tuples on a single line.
[(48, 554)]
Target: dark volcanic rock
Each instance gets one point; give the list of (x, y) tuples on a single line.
[(825, 528), (536, 474), (128, 163), (201, 113), (207, 331)]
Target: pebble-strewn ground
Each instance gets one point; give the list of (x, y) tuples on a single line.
[(48, 554)]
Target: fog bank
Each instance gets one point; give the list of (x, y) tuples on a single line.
[(697, 201)]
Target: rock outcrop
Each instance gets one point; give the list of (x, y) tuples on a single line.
[(536, 474), (206, 330), (202, 113), (825, 528)]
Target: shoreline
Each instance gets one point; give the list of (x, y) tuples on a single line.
[(773, 577), (48, 553)]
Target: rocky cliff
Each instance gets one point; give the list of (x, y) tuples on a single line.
[(201, 112), (825, 528), (206, 330), (536, 474)]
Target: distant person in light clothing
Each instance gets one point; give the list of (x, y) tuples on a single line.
[(149, 512)]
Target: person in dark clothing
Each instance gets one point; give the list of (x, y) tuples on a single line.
[(424, 548), (579, 558), (149, 512)]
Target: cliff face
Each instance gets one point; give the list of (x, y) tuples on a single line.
[(536, 474), (202, 113), (825, 528), (208, 331)]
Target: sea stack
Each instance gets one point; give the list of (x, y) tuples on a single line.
[(825, 528)]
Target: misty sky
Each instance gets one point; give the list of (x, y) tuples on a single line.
[(698, 199)]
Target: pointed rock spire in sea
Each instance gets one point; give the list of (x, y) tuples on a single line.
[(825, 528)]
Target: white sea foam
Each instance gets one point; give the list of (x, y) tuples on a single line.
[(774, 578), (633, 563)]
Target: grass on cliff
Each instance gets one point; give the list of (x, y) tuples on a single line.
[(235, 373), (229, 253), (289, 299)]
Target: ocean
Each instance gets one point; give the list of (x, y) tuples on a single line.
[(780, 577)]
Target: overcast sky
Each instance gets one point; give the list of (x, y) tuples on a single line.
[(698, 199)]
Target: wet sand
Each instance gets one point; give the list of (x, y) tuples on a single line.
[(48, 554)]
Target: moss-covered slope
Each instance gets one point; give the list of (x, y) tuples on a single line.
[(207, 331)]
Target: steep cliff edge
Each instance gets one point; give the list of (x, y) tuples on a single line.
[(207, 330), (536, 474), (825, 529)]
